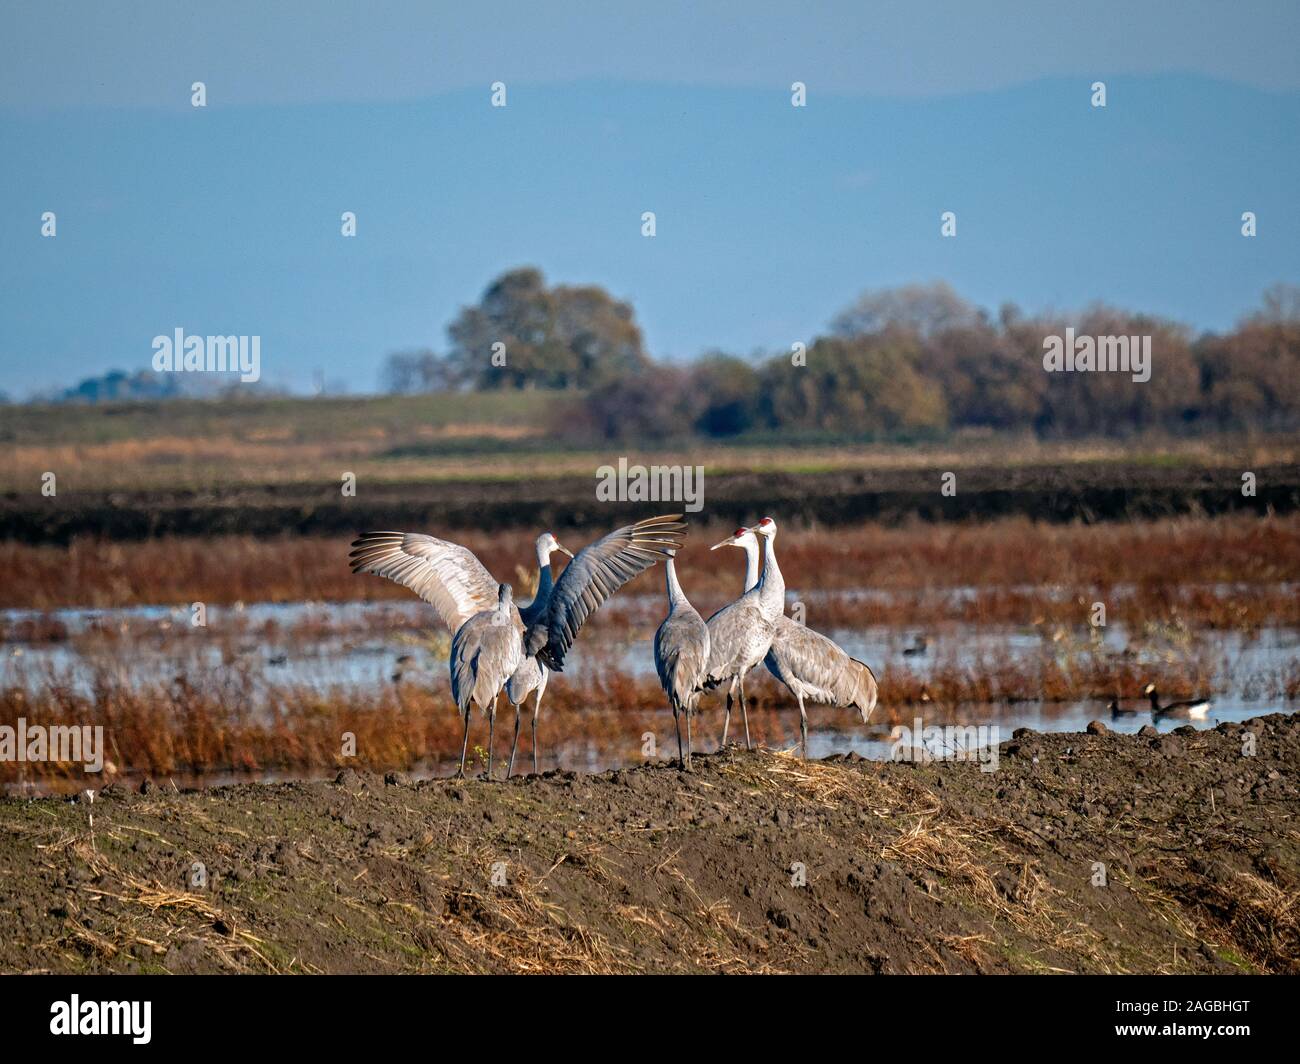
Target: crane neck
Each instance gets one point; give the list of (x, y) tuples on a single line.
[(751, 562), (771, 585), (676, 596), (545, 578)]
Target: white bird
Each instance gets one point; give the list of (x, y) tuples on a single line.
[(451, 579), (681, 657), (808, 663), (741, 633)]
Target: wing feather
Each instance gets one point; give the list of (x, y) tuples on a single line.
[(681, 656), (446, 575), (599, 570), (809, 661)]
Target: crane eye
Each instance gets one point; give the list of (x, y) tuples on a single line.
[(739, 532), (766, 521)]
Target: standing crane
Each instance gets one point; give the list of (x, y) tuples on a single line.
[(809, 664), (452, 580), (531, 675), (681, 657), (485, 651), (741, 632)]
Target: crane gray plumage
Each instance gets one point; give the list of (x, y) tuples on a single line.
[(741, 632), (531, 675), (598, 570), (681, 657), (446, 575), (812, 666), (485, 651), (486, 626), (556, 614), (451, 579), (529, 679)]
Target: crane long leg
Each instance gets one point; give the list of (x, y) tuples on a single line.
[(803, 728), (492, 720), (726, 721), (744, 712), (688, 738), (537, 708), (681, 753), (464, 745), (511, 767)]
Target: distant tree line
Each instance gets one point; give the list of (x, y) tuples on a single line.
[(145, 385), (916, 359)]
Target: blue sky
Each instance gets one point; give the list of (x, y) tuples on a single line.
[(770, 218)]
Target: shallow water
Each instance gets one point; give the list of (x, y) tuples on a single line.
[(356, 645)]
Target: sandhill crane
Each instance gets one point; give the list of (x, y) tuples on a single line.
[(531, 676), (681, 656), (485, 651), (451, 579), (1195, 709), (741, 632), (529, 679), (810, 665)]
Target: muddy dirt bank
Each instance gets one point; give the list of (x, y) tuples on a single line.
[(753, 863), (1089, 492)]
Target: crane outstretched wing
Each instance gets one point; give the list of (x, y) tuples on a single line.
[(599, 570), (446, 575)]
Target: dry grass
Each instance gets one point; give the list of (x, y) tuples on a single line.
[(228, 721), (171, 446), (1158, 578), (143, 906), (945, 850), (1021, 571)]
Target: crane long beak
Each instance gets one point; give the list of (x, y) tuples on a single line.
[(564, 550), (730, 541)]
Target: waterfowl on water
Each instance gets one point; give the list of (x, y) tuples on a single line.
[(1194, 708), (1118, 710)]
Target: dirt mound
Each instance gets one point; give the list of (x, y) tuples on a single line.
[(1080, 853)]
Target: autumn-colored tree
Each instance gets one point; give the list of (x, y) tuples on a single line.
[(522, 334), (1113, 403), (1251, 377), (728, 394), (924, 309), (897, 361), (657, 403), (986, 377), (853, 385)]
